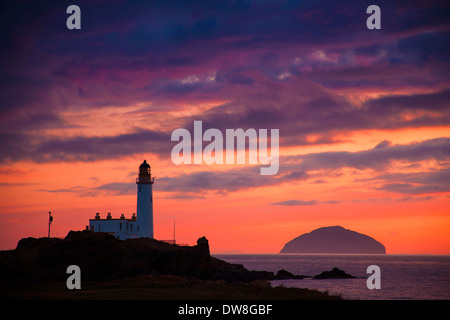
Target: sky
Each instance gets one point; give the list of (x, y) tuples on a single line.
[(363, 118)]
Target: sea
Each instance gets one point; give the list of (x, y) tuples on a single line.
[(403, 277)]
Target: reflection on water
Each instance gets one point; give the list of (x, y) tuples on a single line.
[(402, 276)]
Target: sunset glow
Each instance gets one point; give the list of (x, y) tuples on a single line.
[(364, 121)]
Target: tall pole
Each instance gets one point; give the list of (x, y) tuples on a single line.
[(50, 219), (174, 231)]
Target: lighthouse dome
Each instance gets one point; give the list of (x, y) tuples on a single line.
[(144, 165), (144, 171)]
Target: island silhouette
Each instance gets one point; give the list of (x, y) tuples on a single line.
[(334, 239)]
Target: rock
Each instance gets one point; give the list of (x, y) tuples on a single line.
[(101, 256), (283, 274), (203, 245), (334, 240), (335, 273)]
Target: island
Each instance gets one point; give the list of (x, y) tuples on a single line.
[(334, 239)]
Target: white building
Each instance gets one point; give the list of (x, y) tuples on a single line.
[(141, 224)]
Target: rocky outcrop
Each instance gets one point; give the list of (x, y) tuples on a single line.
[(101, 256), (335, 273), (334, 240)]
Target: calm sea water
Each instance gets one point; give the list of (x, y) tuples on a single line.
[(402, 276)]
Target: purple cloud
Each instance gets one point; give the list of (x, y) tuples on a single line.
[(276, 65), (435, 181), (290, 203), (377, 158), (227, 181)]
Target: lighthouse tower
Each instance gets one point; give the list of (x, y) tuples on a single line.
[(145, 201)]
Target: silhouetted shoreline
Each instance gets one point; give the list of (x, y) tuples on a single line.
[(134, 268)]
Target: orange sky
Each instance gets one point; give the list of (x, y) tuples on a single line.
[(245, 221)]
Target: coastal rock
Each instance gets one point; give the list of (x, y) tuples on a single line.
[(334, 240), (203, 245), (284, 275), (101, 256), (335, 273)]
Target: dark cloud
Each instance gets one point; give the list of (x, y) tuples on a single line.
[(300, 108), (409, 188), (292, 170), (19, 147), (296, 203), (291, 203), (241, 79), (14, 146), (436, 101), (377, 158), (274, 64), (118, 188), (417, 183), (79, 191), (96, 148), (227, 181), (114, 189), (197, 184)]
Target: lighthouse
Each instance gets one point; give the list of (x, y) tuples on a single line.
[(144, 208), (140, 224)]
